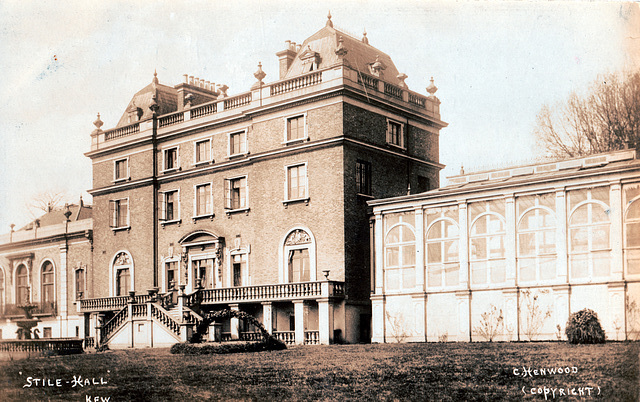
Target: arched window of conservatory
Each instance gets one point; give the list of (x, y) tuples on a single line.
[(589, 226), (22, 285), (632, 236), (536, 238), (299, 255), (123, 273), (400, 253), (443, 263), (486, 243), (47, 283)]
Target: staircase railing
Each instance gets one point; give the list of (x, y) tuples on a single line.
[(109, 329), (163, 317)]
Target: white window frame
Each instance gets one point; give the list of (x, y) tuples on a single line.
[(284, 254), (53, 266), (401, 269), (165, 261), (113, 282), (288, 200), (537, 256), (243, 253), (115, 170), (228, 202), (625, 222), (164, 159), (488, 260), (176, 210), (195, 200), (196, 162), (305, 136), (244, 134), (82, 268), (402, 135), (114, 219), (442, 265), (591, 250), (15, 282)]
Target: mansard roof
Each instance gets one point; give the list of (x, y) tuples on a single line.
[(166, 98), (360, 55)]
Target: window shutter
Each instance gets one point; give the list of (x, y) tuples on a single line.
[(388, 132), (227, 194), (245, 204), (162, 207), (113, 212)]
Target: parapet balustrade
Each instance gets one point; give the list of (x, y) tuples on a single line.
[(110, 303), (39, 309), (122, 131)]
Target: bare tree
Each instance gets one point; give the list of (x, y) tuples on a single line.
[(606, 118), (45, 201)]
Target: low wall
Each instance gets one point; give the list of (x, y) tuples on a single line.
[(11, 349)]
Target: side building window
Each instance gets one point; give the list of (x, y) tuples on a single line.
[(170, 159), (299, 256), (297, 184), (203, 200), (203, 151), (80, 281), (119, 210), (122, 268), (536, 238), (589, 225), (443, 260), (295, 128), (486, 242), (400, 252), (121, 169), (395, 133), (170, 206), (363, 178), (236, 193), (238, 143), (47, 283), (23, 295)]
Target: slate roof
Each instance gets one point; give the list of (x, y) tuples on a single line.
[(359, 54), (166, 98), (78, 213)]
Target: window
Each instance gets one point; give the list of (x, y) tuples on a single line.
[(589, 246), (46, 332), (395, 133), (400, 253), (203, 200), (170, 211), (632, 229), (203, 151), (238, 143), (203, 272), (121, 169), (239, 268), (363, 178), (47, 295), (536, 238), (443, 265), (122, 273), (299, 257), (296, 182), (80, 283), (296, 128), (486, 243), (170, 158), (236, 193), (119, 213), (22, 285), (424, 184), (171, 275)]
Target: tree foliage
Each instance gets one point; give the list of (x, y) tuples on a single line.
[(606, 118), (584, 327)]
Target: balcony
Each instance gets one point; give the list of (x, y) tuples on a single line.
[(40, 309), (109, 303)]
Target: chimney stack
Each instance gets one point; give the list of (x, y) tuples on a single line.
[(286, 57)]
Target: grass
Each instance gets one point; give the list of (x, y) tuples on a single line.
[(431, 371)]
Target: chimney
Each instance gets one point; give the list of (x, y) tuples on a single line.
[(286, 57)]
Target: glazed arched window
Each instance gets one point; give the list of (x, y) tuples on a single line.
[(299, 255), (632, 238), (443, 263), (400, 256), (486, 243), (22, 285), (47, 283), (589, 226), (536, 245), (123, 274)]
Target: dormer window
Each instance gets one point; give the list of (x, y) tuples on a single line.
[(310, 60)]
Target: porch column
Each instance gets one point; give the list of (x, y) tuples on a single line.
[(64, 324), (267, 316), (617, 213), (614, 324), (561, 238), (463, 249), (377, 318), (235, 323), (510, 240), (379, 255), (561, 307), (419, 226), (463, 298), (298, 311), (325, 321)]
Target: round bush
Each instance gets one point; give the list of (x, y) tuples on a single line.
[(584, 327)]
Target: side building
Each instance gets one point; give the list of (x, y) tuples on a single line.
[(45, 268), (533, 243), (255, 202)]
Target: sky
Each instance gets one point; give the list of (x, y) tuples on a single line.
[(495, 64)]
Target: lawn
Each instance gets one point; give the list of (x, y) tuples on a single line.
[(429, 371)]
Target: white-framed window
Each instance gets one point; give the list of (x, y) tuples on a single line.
[(363, 177), (236, 193), (170, 206), (442, 241), (589, 227), (170, 159), (395, 133), (23, 294), (202, 151), (203, 272), (171, 274), (536, 250), (299, 256), (203, 202), (80, 280), (486, 243), (121, 169), (119, 213), (238, 143), (632, 229), (400, 252), (122, 273), (296, 128), (238, 269), (296, 184), (47, 283)]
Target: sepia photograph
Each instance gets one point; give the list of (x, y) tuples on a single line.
[(352, 200)]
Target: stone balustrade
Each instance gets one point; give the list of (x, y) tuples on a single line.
[(109, 303), (275, 292)]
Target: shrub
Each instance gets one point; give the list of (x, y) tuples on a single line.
[(227, 347), (491, 324), (584, 327)]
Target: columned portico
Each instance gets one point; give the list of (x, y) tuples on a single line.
[(298, 311), (235, 322)]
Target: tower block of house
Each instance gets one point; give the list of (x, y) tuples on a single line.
[(255, 201)]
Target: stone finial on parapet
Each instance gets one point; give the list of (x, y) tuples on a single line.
[(431, 89), (329, 22), (401, 77), (223, 90), (259, 76)]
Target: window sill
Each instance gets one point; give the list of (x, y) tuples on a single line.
[(237, 156), (296, 200), (124, 179), (200, 217), (203, 163), (230, 212), (172, 170), (296, 141), (171, 222), (400, 147), (120, 228), (365, 195)]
